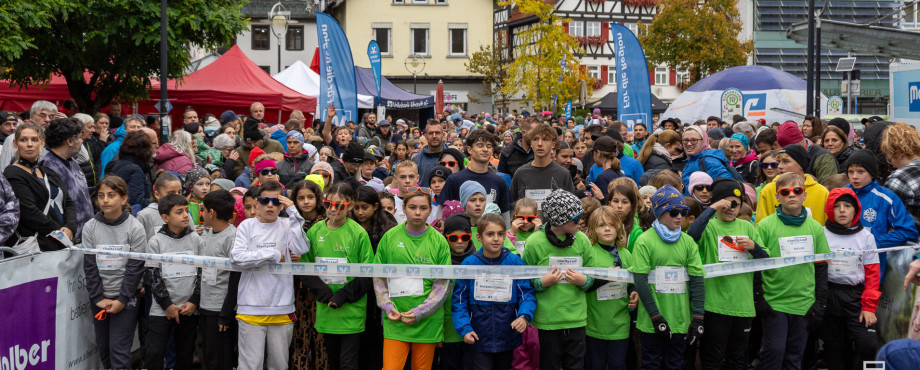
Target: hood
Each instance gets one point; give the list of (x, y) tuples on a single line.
[(844, 154), (492, 261), (121, 219), (120, 133), (281, 137), (166, 152), (752, 156), (873, 136), (832, 199), (437, 155), (300, 157)]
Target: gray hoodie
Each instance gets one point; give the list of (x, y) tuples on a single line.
[(213, 281), (173, 283), (113, 277), (150, 219)]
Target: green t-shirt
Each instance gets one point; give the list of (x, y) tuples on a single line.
[(478, 245), (790, 289), (561, 306), (634, 234), (608, 319), (651, 252), (195, 212), (431, 248), (731, 295), (520, 241), (450, 334), (350, 242)]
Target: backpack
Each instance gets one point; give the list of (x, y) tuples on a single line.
[(731, 170)]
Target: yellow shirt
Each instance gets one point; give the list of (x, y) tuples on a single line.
[(265, 320), (815, 198)]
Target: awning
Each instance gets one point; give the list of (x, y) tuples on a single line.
[(859, 38), (609, 103), (391, 96)]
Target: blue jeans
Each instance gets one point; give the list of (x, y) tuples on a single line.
[(603, 354)]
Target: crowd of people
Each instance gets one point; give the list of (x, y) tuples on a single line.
[(657, 200)]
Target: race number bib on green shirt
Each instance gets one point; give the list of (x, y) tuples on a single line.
[(564, 263), (176, 270), (729, 254), (611, 290), (108, 263), (493, 288), (792, 246), (405, 287), (332, 279), (670, 279)]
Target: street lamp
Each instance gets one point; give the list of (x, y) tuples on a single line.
[(280, 18), (414, 65)]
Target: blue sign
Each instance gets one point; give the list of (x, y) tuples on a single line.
[(634, 91), (373, 53), (337, 85), (913, 100), (568, 110), (755, 105)]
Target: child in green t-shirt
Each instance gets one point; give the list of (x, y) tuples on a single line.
[(457, 230), (561, 308), (623, 196), (674, 262), (526, 221), (729, 299), (795, 296), (608, 327)]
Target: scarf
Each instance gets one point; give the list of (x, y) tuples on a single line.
[(556, 242), (456, 259), (752, 156), (615, 252), (30, 165), (791, 220), (668, 235), (843, 230)]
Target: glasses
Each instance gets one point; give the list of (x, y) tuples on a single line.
[(268, 171), (447, 163), (682, 212), (419, 189), (265, 200), (702, 187), (453, 238), (322, 173), (577, 217), (339, 206), (691, 141), (798, 190), (526, 218), (730, 242), (769, 165)]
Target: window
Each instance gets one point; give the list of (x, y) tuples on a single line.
[(576, 28), (634, 27), (594, 72), (440, 2), (661, 76), (611, 75), (294, 39), (592, 28), (682, 77), (382, 36), (260, 37), (420, 1), (419, 40), (267, 69), (457, 34)]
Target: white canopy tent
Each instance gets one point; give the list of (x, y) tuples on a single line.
[(300, 78)]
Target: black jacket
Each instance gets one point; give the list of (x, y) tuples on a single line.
[(514, 156), (134, 171), (656, 161), (33, 197)]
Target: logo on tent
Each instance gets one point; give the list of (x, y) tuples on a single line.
[(914, 100), (755, 105)]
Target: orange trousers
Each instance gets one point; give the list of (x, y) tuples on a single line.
[(395, 353)]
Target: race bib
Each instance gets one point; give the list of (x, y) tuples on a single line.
[(405, 287), (538, 195), (793, 246), (109, 263), (611, 290), (209, 275), (176, 270), (670, 279), (332, 279), (493, 288), (729, 254), (844, 265), (564, 263), (520, 245)]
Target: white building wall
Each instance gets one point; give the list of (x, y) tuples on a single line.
[(269, 58)]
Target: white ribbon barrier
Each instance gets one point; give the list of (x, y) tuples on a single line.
[(472, 272)]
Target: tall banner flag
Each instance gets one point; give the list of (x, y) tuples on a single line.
[(337, 85), (731, 103), (568, 110), (373, 53), (634, 91)]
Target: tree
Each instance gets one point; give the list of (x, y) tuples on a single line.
[(697, 36), (544, 53), (110, 49), (491, 64)]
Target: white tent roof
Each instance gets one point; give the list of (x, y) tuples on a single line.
[(300, 78)]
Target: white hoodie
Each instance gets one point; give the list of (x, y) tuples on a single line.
[(257, 244)]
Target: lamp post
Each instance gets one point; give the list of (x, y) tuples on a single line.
[(414, 65), (164, 129), (280, 18)]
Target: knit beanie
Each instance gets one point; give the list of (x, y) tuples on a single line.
[(192, 176), (797, 153), (704, 144), (251, 130), (841, 123), (743, 139), (296, 135), (316, 179), (458, 222), (723, 187), (450, 208), (255, 153), (263, 164), (665, 199), (223, 183), (864, 159), (647, 190), (789, 133), (560, 207), (842, 195), (492, 208), (698, 178), (716, 133), (468, 189), (439, 171), (324, 166)]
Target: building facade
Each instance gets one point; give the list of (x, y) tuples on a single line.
[(261, 42), (440, 34)]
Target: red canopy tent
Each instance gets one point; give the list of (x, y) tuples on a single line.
[(14, 99)]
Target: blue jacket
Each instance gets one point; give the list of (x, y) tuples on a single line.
[(630, 166), (281, 137), (426, 161), (492, 320), (715, 166), (886, 217), (112, 150)]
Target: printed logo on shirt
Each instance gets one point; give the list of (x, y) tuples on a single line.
[(493, 195), (419, 258), (265, 245), (869, 214), (322, 239), (339, 247), (400, 244)]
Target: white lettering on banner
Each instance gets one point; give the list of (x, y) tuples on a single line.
[(334, 261), (624, 78), (19, 357), (412, 104)]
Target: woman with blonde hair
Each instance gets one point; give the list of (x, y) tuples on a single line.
[(901, 146), (660, 150), (178, 155)]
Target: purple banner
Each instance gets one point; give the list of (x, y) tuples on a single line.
[(27, 325)]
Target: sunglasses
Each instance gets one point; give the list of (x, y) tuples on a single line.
[(702, 187), (577, 217), (769, 165), (339, 206), (265, 200), (321, 173), (734, 204), (447, 163), (526, 218), (268, 171), (798, 190), (418, 189), (682, 212), (730, 242), (453, 238)]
